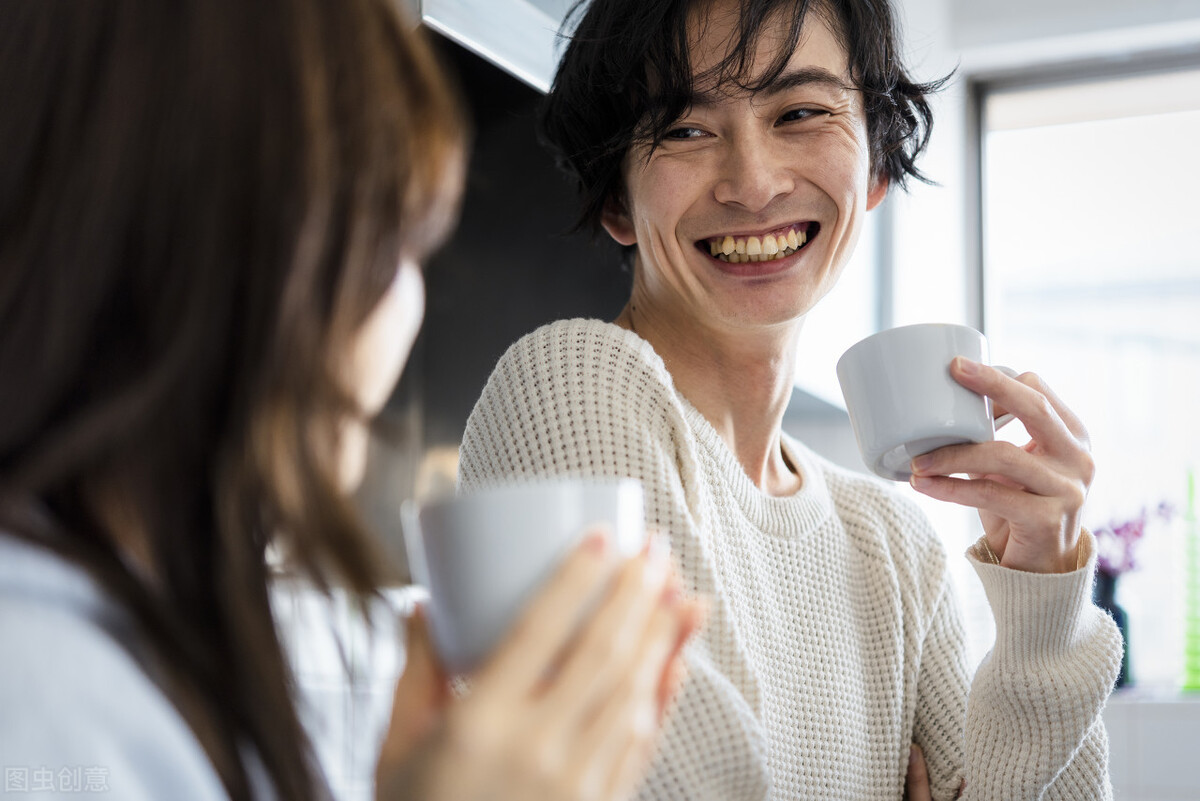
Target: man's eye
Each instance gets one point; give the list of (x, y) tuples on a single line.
[(800, 114), (683, 132)]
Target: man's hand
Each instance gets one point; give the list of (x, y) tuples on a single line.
[(1030, 497), (916, 784)]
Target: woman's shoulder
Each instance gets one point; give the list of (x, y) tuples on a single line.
[(80, 711)]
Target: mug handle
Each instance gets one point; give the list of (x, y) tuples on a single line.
[(1004, 419)]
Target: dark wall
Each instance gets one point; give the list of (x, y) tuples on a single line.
[(511, 265)]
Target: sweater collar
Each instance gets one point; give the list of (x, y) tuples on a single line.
[(786, 517)]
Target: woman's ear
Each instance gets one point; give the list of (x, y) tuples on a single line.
[(877, 192), (617, 222)]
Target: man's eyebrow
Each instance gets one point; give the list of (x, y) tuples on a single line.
[(786, 80)]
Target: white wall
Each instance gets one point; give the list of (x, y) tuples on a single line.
[(987, 22)]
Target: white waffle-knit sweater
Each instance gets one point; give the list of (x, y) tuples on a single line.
[(834, 639)]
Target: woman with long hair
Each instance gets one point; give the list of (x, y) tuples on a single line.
[(211, 217)]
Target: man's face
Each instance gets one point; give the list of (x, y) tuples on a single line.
[(746, 213)]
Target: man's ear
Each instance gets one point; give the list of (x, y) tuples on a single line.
[(877, 192), (617, 222)]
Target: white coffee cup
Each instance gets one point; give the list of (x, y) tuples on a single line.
[(902, 399), (483, 556)]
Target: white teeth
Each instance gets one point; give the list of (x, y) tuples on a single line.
[(792, 241), (741, 246), (727, 245), (770, 246), (754, 246)]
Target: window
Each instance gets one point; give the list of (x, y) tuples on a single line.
[(1091, 277)]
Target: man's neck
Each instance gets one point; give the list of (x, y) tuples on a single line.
[(740, 381)]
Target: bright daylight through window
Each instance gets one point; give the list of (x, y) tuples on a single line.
[(1091, 211)]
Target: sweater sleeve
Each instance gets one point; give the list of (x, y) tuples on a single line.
[(1033, 727)]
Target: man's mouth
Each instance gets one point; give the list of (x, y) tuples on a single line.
[(777, 244)]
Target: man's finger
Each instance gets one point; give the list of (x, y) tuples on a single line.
[(1026, 397), (916, 785)]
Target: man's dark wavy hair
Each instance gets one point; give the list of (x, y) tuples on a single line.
[(626, 77)]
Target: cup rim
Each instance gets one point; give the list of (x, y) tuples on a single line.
[(533, 485), (890, 331)]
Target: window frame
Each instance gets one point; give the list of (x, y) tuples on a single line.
[(981, 84)]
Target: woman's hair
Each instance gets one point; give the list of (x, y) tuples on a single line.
[(626, 76), (200, 204)]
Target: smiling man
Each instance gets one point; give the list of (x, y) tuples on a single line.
[(734, 149)]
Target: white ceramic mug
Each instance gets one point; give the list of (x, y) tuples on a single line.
[(483, 556), (902, 399)]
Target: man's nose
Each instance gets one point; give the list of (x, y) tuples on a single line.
[(752, 175)]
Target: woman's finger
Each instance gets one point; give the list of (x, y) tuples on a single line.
[(420, 695), (533, 644), (629, 770), (674, 672), (627, 715), (607, 646)]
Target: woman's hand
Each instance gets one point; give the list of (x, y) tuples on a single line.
[(1029, 497), (561, 711)]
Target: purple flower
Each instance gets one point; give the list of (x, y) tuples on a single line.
[(1117, 541)]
